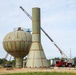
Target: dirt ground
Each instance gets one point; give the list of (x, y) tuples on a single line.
[(23, 70)]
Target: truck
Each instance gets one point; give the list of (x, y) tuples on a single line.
[(65, 63)]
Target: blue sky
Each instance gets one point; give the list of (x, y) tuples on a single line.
[(58, 19)]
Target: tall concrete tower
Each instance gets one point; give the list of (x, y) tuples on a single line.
[(36, 56)]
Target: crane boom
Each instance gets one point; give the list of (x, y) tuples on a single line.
[(62, 53), (26, 13)]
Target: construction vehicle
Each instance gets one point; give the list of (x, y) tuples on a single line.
[(6, 65), (65, 61), (68, 62), (3, 60)]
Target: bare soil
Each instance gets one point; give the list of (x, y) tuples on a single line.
[(24, 70)]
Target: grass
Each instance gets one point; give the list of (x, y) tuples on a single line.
[(41, 73)]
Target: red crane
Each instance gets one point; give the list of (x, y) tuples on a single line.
[(68, 62)]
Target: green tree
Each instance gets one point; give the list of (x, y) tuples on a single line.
[(74, 60), (56, 58), (0, 61)]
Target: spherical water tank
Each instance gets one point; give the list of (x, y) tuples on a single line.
[(17, 43)]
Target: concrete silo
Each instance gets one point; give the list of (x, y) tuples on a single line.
[(17, 43), (36, 56)]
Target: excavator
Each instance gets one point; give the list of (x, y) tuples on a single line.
[(68, 62)]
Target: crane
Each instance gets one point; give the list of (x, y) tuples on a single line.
[(61, 52)]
